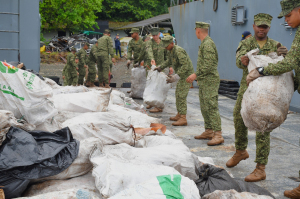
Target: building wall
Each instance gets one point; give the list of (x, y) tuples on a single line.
[(225, 35), (29, 26)]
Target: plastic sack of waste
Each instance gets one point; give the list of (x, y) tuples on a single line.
[(120, 99), (7, 120), (70, 89), (24, 94), (266, 102), (162, 187), (156, 90), (212, 178), (177, 156), (79, 186), (12, 187), (234, 194), (51, 83), (138, 82), (92, 101)]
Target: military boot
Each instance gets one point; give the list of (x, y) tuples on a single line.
[(155, 110), (175, 118), (217, 139), (88, 84), (106, 86), (294, 194), (207, 134), (181, 121), (101, 85), (237, 157), (257, 175), (148, 106)]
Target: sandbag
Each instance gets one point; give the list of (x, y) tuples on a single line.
[(162, 187), (71, 188), (177, 156), (49, 125), (81, 164), (92, 101), (69, 89), (51, 83), (138, 82), (212, 178), (120, 99), (266, 102), (156, 90), (234, 194), (26, 95), (114, 175)]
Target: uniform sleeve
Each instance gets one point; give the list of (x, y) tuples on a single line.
[(210, 59), (143, 53), (183, 62), (166, 63), (64, 70), (241, 51), (72, 62), (149, 50), (129, 52), (95, 52), (110, 46), (82, 57), (165, 54), (290, 62)]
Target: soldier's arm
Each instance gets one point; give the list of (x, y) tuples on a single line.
[(240, 52), (72, 62), (166, 63), (210, 59), (142, 54), (165, 54), (149, 50), (129, 52), (110, 46), (183, 61), (290, 62), (82, 58)]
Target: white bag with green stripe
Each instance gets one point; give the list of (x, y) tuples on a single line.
[(25, 94)]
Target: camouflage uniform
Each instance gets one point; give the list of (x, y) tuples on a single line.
[(136, 47), (71, 70), (82, 56), (241, 131), (105, 48), (209, 82), (182, 64), (156, 51), (92, 59), (143, 56), (64, 73)]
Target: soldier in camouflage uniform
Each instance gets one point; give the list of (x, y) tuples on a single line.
[(261, 27), (143, 55), (92, 59), (105, 48), (64, 75), (135, 45), (291, 12), (157, 54), (208, 81), (82, 65), (71, 69), (182, 64)]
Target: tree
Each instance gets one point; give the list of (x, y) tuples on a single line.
[(74, 15), (132, 10)]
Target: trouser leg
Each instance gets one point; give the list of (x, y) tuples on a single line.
[(262, 147), (241, 131), (181, 93)]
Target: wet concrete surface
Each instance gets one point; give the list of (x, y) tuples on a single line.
[(284, 156)]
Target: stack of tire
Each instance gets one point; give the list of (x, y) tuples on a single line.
[(229, 88)]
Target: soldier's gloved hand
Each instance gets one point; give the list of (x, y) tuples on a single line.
[(136, 65), (254, 74), (245, 60), (128, 63), (282, 51), (172, 78), (158, 69)]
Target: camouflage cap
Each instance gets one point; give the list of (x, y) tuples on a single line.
[(154, 31), (287, 6), (263, 19), (202, 25), (146, 37), (167, 40), (86, 43), (107, 31), (73, 49), (133, 30)]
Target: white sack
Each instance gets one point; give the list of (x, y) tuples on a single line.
[(136, 118), (266, 102), (114, 175), (25, 94), (64, 189), (177, 156), (63, 116), (218, 194), (109, 127), (153, 141), (120, 99), (173, 186), (92, 101), (138, 82), (51, 83), (49, 125), (156, 90), (7, 120), (69, 89), (81, 164)]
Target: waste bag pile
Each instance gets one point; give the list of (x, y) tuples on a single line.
[(138, 82), (78, 142), (60, 44)]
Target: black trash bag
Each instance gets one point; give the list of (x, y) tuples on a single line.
[(12, 187), (213, 178), (37, 154)]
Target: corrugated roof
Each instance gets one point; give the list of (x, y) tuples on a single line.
[(147, 22)]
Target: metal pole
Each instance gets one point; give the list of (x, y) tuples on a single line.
[(19, 55)]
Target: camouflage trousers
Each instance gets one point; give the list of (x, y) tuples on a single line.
[(103, 65), (72, 79), (262, 140), (81, 72), (181, 93), (208, 97), (92, 72)]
